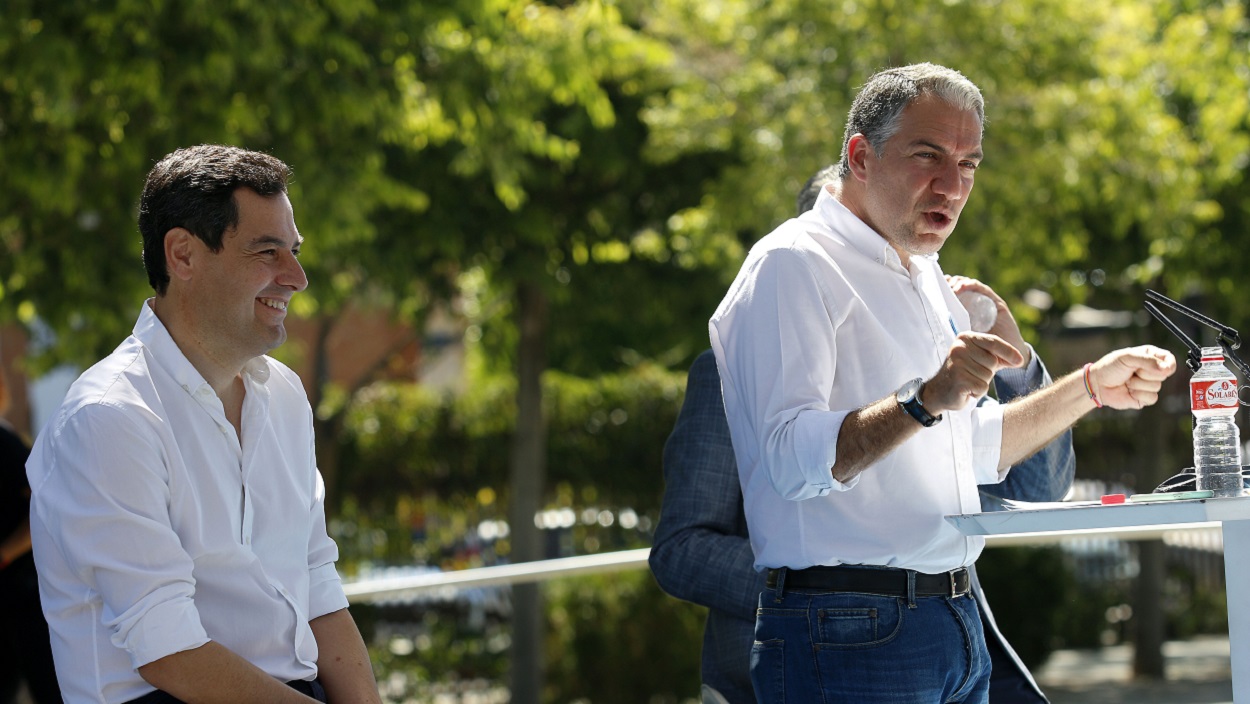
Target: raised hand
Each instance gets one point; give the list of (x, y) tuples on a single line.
[(1131, 377), (968, 370), (1005, 325)]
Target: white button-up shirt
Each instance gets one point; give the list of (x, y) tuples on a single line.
[(155, 529), (824, 319)]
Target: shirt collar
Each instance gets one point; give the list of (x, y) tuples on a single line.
[(855, 232), (150, 331), (258, 369)]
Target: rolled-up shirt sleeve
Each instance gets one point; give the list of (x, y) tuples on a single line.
[(107, 513), (778, 375), (987, 442), (325, 587)]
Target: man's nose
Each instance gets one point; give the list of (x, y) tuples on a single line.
[(292, 275), (950, 182)]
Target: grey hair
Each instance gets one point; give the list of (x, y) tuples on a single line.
[(878, 107)]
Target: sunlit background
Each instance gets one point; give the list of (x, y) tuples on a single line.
[(519, 217)]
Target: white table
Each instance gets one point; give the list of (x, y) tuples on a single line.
[(1233, 515)]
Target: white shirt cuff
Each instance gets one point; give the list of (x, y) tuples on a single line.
[(167, 628), (987, 443), (815, 452), (325, 591)]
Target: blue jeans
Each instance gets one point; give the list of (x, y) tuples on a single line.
[(831, 647)]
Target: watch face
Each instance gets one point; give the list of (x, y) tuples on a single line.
[(907, 397), (909, 390)]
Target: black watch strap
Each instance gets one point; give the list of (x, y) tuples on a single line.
[(909, 398)]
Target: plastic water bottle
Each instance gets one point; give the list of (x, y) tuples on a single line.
[(982, 312), (1217, 442)]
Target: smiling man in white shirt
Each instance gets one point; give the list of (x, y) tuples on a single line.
[(850, 379), (177, 511)]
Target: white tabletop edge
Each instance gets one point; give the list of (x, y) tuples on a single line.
[(1087, 517)]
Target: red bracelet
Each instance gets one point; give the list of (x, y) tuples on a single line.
[(1089, 388)]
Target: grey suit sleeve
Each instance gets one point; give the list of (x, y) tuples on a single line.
[(1048, 474), (701, 552)]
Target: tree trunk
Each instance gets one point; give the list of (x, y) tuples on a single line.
[(527, 469), (325, 432)]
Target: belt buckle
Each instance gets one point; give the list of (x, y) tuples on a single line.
[(955, 591)]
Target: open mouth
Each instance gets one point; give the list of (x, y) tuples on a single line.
[(937, 219), (273, 303)]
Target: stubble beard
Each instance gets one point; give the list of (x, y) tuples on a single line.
[(912, 240)]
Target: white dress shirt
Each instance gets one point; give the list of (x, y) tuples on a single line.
[(155, 530), (823, 319)]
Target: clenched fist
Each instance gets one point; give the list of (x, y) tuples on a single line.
[(1131, 377)]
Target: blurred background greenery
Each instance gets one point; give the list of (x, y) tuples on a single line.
[(559, 193)]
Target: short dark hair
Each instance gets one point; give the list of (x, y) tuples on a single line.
[(806, 199), (878, 107), (193, 188)]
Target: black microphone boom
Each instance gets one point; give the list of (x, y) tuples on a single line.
[(1228, 338)]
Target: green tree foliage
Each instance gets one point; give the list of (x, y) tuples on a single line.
[(538, 164), (607, 435), (614, 638), (1045, 611), (435, 653), (1116, 135), (576, 145), (512, 129), (593, 171), (424, 468), (599, 623), (93, 94)]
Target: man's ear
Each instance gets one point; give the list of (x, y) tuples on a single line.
[(859, 151), (180, 250)]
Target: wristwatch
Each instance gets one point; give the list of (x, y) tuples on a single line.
[(908, 396)]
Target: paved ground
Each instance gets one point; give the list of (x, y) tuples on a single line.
[(1197, 673)]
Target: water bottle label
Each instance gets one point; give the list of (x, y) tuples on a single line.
[(1216, 393)]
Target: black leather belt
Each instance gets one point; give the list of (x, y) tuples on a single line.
[(881, 581)]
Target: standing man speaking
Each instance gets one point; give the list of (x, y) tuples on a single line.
[(177, 512), (851, 379)]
